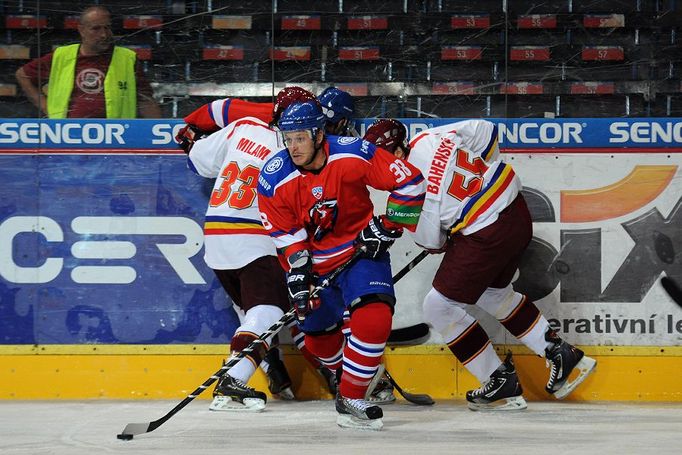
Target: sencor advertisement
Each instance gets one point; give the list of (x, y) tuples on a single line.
[(101, 232)]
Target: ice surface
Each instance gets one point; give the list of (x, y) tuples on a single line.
[(90, 427)]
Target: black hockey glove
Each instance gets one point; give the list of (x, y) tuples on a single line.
[(300, 283), (376, 238), (187, 136)]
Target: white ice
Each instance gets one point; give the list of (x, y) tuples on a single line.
[(90, 427)]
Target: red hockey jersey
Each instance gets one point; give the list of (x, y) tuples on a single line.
[(324, 211), (220, 113)]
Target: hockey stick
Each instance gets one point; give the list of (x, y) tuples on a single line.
[(133, 429), (420, 399), (417, 398), (413, 332), (673, 289), (409, 334), (412, 264)]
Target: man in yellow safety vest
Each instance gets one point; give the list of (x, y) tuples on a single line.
[(93, 79)]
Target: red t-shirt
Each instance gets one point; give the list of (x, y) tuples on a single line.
[(87, 98)]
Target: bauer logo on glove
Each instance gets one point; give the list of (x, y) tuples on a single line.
[(300, 284), (375, 239)]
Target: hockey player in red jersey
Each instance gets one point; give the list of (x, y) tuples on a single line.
[(337, 106), (475, 213), (315, 204)]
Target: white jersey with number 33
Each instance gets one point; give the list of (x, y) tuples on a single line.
[(234, 156), (467, 183)]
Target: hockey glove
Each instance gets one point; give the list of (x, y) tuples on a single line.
[(187, 136), (376, 238), (300, 283)]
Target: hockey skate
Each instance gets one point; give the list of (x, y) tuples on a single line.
[(231, 394), (380, 389), (329, 379), (279, 382), (563, 358), (502, 392), (358, 413)]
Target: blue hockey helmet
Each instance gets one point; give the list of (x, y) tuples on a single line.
[(336, 104), (305, 115)]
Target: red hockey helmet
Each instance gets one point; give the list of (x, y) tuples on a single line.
[(286, 97), (388, 134)]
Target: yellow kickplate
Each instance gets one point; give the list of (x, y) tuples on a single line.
[(173, 371)]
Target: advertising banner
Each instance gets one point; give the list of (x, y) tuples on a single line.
[(101, 232), (156, 136)]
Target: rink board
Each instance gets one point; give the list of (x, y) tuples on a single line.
[(142, 316), (169, 372)]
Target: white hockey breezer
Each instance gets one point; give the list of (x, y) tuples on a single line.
[(233, 395)]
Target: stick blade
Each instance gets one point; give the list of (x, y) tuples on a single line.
[(134, 429), (414, 334), (673, 289), (420, 399)]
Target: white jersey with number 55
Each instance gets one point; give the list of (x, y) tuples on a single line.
[(234, 156), (467, 183)]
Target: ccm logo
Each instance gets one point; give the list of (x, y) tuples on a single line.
[(177, 254)]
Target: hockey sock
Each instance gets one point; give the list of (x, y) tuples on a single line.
[(345, 328), (518, 314), (256, 321), (328, 348), (465, 338), (370, 327), (527, 324), (299, 340), (245, 368)]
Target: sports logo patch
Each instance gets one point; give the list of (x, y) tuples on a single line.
[(322, 218), (317, 192), (348, 140), (274, 165)]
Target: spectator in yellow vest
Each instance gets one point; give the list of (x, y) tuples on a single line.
[(93, 79)]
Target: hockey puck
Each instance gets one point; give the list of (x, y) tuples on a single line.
[(125, 437)]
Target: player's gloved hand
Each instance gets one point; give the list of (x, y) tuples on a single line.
[(377, 237), (300, 283), (187, 136)]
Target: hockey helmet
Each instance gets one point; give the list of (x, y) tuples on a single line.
[(305, 115), (289, 95), (336, 104), (388, 134)]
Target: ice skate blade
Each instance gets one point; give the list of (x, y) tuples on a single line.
[(285, 394), (223, 403), (505, 405), (585, 366), (348, 421)]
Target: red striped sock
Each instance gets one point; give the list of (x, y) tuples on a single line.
[(370, 327), (328, 348)]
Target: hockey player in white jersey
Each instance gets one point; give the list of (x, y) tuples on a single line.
[(238, 249), (241, 253), (475, 214)]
